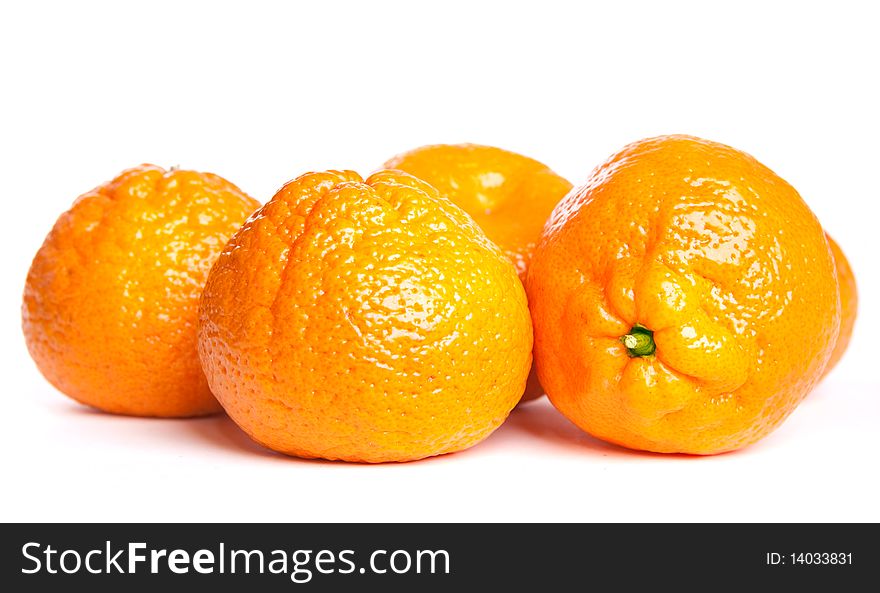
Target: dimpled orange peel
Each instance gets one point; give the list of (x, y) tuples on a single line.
[(111, 298), (364, 320), (684, 299), (509, 195), (849, 303)]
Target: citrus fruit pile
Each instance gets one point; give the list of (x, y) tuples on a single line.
[(405, 315)]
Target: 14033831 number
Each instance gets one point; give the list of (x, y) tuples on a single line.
[(821, 558)]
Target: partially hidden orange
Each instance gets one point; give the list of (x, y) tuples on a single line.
[(508, 194), (111, 298), (684, 299), (364, 320), (849, 303)]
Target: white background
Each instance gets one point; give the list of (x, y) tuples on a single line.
[(261, 92)]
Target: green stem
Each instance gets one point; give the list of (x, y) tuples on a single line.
[(639, 341)]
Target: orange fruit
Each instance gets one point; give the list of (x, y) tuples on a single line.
[(849, 303), (684, 299), (509, 195), (364, 320), (111, 298)]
